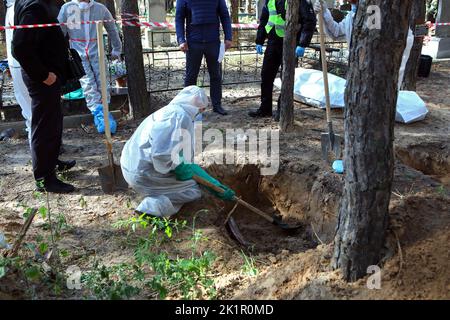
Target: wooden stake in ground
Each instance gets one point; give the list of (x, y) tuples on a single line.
[(288, 72), (137, 83), (21, 235), (371, 98)]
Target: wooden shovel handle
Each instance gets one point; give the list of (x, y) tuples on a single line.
[(208, 184), (324, 64), (102, 67)]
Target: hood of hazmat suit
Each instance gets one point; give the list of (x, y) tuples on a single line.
[(148, 160), (83, 37)]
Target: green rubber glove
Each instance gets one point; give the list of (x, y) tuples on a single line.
[(186, 171), (228, 193), (183, 172)]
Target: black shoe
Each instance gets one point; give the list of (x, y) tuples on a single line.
[(65, 165), (54, 185), (220, 110), (276, 116), (260, 114)]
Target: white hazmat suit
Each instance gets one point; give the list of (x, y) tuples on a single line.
[(20, 90), (147, 162), (83, 38), (344, 28)]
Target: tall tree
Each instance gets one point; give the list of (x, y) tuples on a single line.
[(417, 17), (235, 19), (288, 72), (111, 7), (2, 19), (371, 98), (137, 85)]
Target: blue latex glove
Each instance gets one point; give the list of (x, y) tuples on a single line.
[(299, 52), (259, 49), (99, 121), (338, 166)]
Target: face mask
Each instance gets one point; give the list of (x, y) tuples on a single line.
[(83, 5), (354, 8), (198, 117)]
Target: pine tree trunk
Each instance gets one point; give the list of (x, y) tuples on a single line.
[(371, 98), (235, 19), (2, 20), (288, 72), (417, 17), (110, 5), (137, 85)]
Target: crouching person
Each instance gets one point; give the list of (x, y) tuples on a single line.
[(148, 162)]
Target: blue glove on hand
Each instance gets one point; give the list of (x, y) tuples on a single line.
[(338, 166), (99, 121), (299, 52), (259, 49)]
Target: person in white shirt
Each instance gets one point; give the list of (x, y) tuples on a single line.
[(20, 90), (343, 29)]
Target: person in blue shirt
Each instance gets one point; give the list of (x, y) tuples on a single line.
[(197, 24), (271, 27)]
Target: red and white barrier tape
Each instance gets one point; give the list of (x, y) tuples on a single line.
[(46, 25), (132, 22)]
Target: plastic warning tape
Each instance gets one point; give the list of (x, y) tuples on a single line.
[(132, 21), (125, 22), (172, 25)]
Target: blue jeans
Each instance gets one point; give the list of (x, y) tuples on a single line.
[(194, 58)]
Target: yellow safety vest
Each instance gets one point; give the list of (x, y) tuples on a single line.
[(275, 19)]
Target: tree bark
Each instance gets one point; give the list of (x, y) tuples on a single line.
[(235, 19), (288, 72), (371, 97), (417, 17), (110, 5), (2, 20), (137, 84)]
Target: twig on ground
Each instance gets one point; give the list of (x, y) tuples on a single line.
[(22, 234), (400, 253), (244, 98), (314, 231), (230, 213)]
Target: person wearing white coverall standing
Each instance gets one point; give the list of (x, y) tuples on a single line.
[(20, 90), (150, 162), (83, 38), (344, 28)]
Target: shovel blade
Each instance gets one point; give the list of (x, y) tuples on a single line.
[(331, 144), (111, 178)]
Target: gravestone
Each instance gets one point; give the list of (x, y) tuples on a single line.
[(439, 46), (156, 13)]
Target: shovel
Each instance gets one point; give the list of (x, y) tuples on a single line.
[(331, 142), (274, 220), (111, 177)]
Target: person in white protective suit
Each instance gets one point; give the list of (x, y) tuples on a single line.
[(150, 159), (20, 90), (344, 28), (83, 38)]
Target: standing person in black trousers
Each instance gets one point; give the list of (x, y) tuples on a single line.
[(43, 55), (198, 33), (271, 27)]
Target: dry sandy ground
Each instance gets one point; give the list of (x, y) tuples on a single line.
[(292, 265)]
